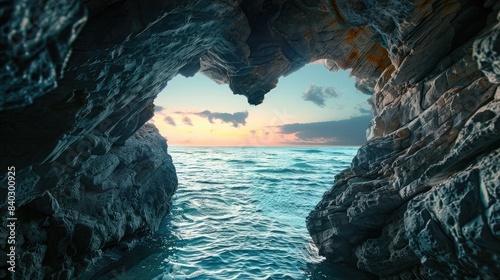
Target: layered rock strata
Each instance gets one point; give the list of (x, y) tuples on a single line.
[(79, 79), (421, 198)]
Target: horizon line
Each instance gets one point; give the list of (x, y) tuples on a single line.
[(260, 146)]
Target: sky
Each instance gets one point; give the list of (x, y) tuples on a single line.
[(311, 106)]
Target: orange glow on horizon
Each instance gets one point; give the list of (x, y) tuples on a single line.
[(188, 128), (204, 133)]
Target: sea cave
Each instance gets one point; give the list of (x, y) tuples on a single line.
[(85, 176)]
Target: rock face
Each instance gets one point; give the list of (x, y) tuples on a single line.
[(421, 197), (110, 201), (79, 78)]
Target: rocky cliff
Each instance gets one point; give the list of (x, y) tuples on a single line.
[(421, 197), (79, 79)]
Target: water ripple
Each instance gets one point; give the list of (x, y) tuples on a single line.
[(234, 218)]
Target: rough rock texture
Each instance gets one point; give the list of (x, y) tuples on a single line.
[(421, 197), (79, 77), (69, 219)]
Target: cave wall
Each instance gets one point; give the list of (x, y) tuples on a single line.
[(420, 200), (79, 79), (68, 221)]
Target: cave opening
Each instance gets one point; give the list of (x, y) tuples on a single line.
[(312, 106), (80, 79), (249, 175)]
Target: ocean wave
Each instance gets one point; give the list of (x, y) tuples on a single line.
[(282, 170), (209, 182), (339, 154), (242, 161), (242, 217), (270, 179), (302, 165), (308, 151)]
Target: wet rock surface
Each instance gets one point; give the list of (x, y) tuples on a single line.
[(420, 200)]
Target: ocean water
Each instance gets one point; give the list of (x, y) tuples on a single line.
[(239, 213)]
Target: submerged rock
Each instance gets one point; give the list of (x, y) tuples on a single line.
[(79, 79)]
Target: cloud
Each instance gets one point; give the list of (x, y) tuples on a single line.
[(330, 92), (236, 119), (170, 121), (159, 108), (344, 132), (365, 111), (187, 121), (318, 95)]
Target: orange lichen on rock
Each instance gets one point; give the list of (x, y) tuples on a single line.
[(352, 56), (353, 33), (378, 57)]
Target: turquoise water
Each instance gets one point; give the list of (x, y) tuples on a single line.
[(239, 213)]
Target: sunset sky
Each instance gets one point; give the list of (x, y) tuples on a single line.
[(312, 106)]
